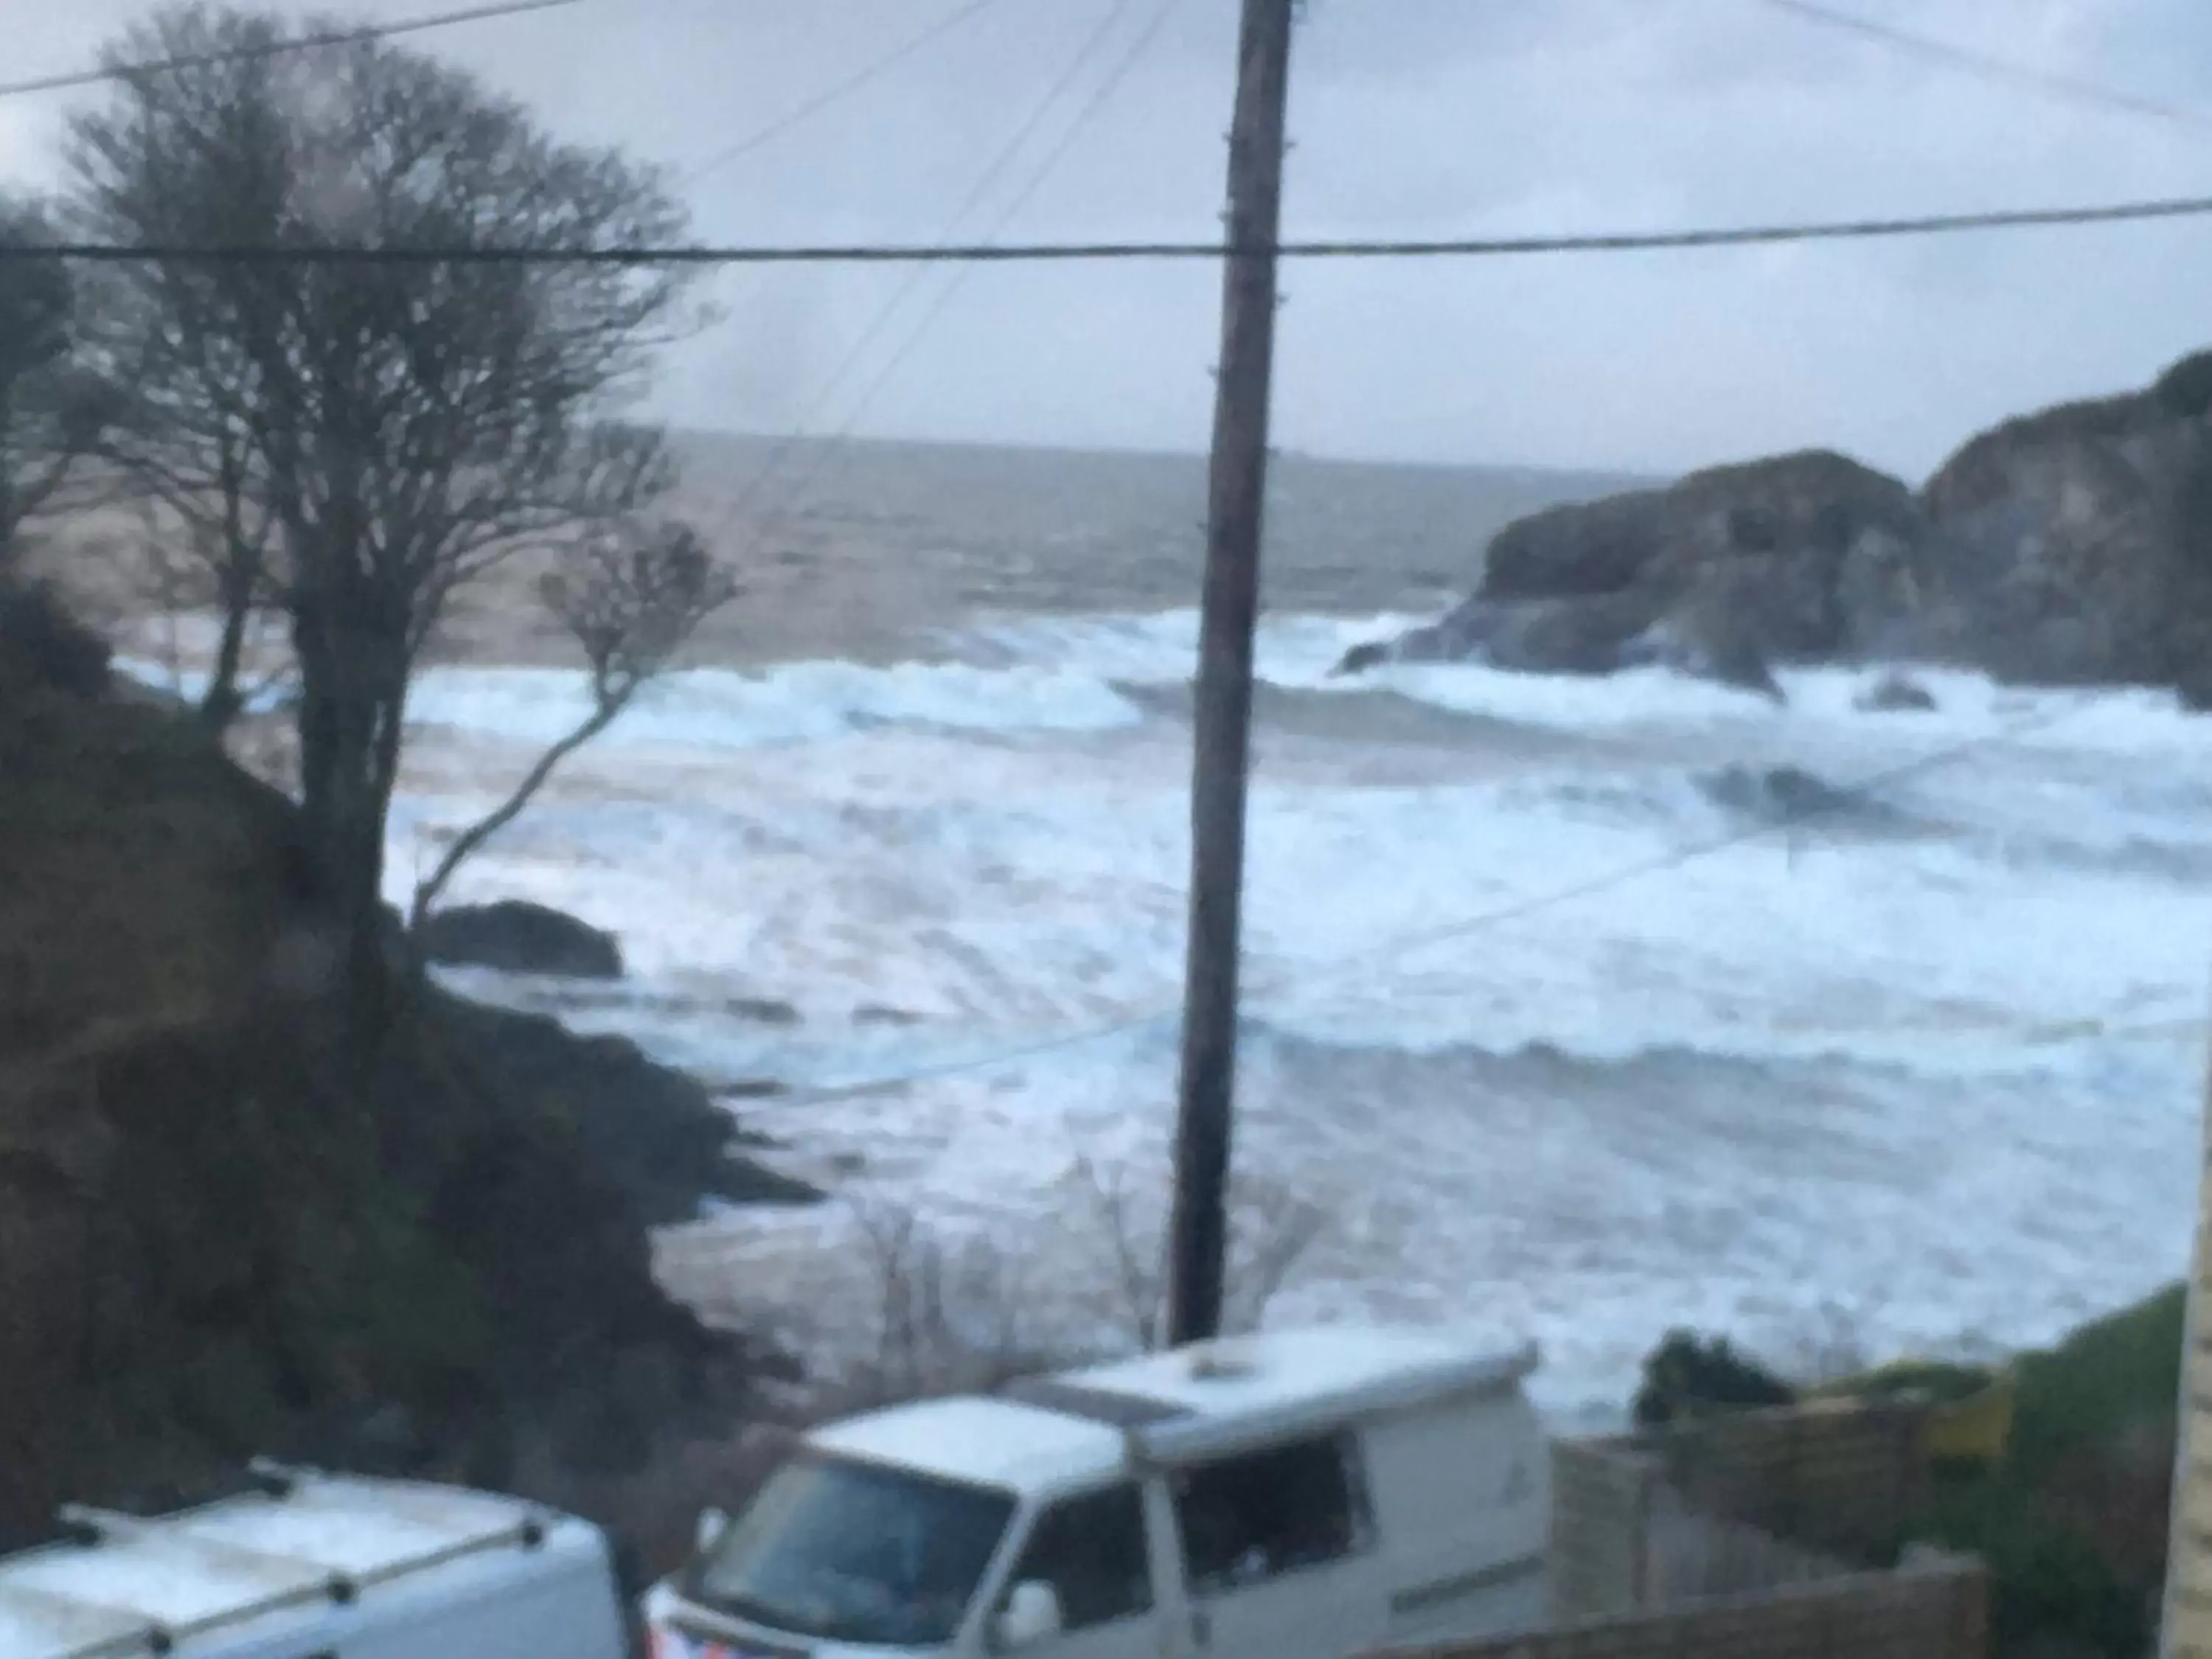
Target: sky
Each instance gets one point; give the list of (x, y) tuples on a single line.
[(1409, 118)]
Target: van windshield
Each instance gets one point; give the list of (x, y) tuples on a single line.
[(853, 1552)]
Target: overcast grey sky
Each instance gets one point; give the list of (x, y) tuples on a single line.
[(1417, 117)]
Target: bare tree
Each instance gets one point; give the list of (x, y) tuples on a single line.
[(953, 1314), (630, 602), (968, 1311), (406, 425), (188, 388), (50, 411), (1123, 1213)]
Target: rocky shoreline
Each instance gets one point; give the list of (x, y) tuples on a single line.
[(225, 1232), (2070, 546)]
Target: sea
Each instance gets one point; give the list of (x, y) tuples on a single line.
[(1562, 1017)]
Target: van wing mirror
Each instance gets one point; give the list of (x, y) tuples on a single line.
[(713, 1523), (1032, 1614)]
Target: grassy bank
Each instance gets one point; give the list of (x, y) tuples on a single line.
[(2074, 1524)]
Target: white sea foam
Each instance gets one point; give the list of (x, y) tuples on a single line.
[(1933, 1063), (798, 703)]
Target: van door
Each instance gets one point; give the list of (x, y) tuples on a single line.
[(1279, 1552), (1461, 1491), (1090, 1548)]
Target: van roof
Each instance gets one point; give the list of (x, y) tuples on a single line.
[(996, 1443), (1206, 1399), (304, 1539), (1214, 1397), (1329, 1369)]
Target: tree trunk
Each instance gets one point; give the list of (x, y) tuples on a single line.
[(221, 704), (239, 584), (353, 692)]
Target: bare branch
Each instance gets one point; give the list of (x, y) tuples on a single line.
[(631, 605)]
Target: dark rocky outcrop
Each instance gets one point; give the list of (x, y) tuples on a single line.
[(1719, 575), (519, 938), (1789, 794), (2071, 545), (1896, 693), (655, 1131), (762, 1011), (872, 1013), (225, 1231), (2078, 540)]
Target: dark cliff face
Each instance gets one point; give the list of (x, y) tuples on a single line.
[(221, 1235), (2074, 544), (2077, 539), (1801, 558)]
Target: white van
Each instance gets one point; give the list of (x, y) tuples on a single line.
[(314, 1566), (1297, 1495)]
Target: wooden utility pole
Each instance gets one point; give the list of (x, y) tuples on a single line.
[(1223, 723)]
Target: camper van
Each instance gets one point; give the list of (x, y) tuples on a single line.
[(1297, 1495), (314, 1566)]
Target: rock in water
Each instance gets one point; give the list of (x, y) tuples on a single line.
[(1709, 643), (519, 938), (1789, 794), (655, 1133), (1894, 693), (1361, 657), (1798, 558)]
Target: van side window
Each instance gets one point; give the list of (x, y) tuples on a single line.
[(1091, 1550), (1253, 1518)]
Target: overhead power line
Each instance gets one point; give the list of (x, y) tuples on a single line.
[(844, 88), (279, 48), (1513, 910), (1100, 96), (1039, 113), (2189, 207), (1951, 54)]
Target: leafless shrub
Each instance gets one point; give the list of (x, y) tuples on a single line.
[(1123, 1207), (963, 1313), (952, 1315)]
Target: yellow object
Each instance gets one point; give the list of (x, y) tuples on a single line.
[(1977, 1429)]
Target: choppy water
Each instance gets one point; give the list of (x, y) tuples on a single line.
[(1922, 1075), (1551, 1014)]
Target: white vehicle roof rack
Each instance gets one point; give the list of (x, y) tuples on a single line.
[(121, 1586)]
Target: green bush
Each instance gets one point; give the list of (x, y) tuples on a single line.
[(1689, 1376), (1944, 1384), (2106, 1382), (2051, 1582), (2073, 1528)]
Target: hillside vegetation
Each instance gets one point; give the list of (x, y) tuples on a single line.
[(219, 1235)]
